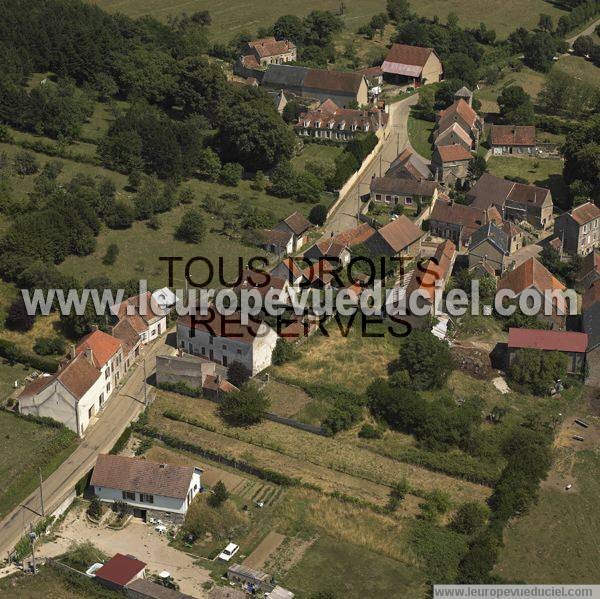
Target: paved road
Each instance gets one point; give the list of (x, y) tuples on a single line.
[(396, 140), (120, 411), (587, 31)]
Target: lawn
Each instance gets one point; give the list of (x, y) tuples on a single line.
[(579, 68), (351, 572), (542, 172), (52, 583), (8, 375), (316, 153), (420, 136), (26, 446), (557, 540), (236, 16)]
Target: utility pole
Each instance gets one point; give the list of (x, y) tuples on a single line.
[(145, 384), (42, 493)]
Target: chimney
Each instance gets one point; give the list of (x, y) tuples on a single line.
[(89, 354), (73, 351)]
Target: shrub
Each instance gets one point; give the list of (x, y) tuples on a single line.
[(219, 495), (112, 251), (318, 214), (95, 508), (231, 173), (536, 370), (244, 407), (181, 388), (120, 217), (238, 374), (283, 352), (345, 411), (47, 346), (470, 518), (368, 431), (398, 493), (192, 227)]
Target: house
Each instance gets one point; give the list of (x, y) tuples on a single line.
[(298, 226), (590, 270), (319, 274), (224, 339), (119, 571), (489, 244), (454, 135), (354, 236), (411, 66), (130, 341), (591, 325), (464, 93), (515, 201), (458, 222), (260, 53), (533, 275), (343, 88), (512, 139), (403, 192), (279, 100), (400, 237), (72, 396), (516, 236), (579, 229), (374, 78), (141, 588), (194, 371), (330, 249), (227, 593), (571, 344), (429, 280), (145, 315), (450, 163), (151, 489), (267, 285), (470, 124), (329, 121), (288, 270), (409, 165), (280, 243)]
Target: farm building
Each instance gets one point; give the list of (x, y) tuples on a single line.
[(411, 66), (512, 139)]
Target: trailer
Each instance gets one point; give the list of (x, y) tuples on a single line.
[(582, 423), (578, 438)]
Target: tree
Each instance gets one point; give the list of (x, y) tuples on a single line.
[(291, 112), (477, 564), (238, 373), (244, 407), (289, 27), (259, 182), (186, 196), (111, 254), (398, 10), (209, 165), (516, 106), (318, 214), (147, 198), (477, 166), (219, 495), (284, 352), (192, 227), (231, 173), (95, 508), (427, 359), (121, 217), (307, 188), (583, 45), (25, 163), (48, 346), (470, 518), (537, 370), (539, 51), (545, 23), (461, 66), (398, 493), (17, 318), (134, 179), (425, 107)]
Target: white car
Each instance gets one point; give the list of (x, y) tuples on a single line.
[(229, 552)]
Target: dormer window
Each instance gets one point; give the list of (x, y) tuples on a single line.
[(307, 123), (331, 125), (318, 124), (343, 125), (366, 126)]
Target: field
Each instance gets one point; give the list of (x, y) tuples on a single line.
[(545, 173), (557, 540), (420, 136), (24, 447), (579, 68), (316, 152), (8, 375), (236, 16)]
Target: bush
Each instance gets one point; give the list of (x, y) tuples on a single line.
[(244, 407), (13, 354), (95, 508), (222, 521), (121, 442), (537, 370), (231, 173), (238, 374), (368, 431), (120, 217), (219, 495), (192, 227), (112, 251), (318, 214), (345, 411), (284, 352), (398, 493), (47, 346), (181, 388), (470, 518), (25, 163)]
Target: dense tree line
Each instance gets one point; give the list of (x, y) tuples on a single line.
[(581, 151)]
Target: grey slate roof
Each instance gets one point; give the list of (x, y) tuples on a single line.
[(494, 235), (285, 76)]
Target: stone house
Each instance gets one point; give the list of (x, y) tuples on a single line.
[(515, 201), (512, 139), (145, 315), (280, 243), (591, 325), (150, 489), (298, 226), (516, 236), (329, 121), (400, 237), (224, 339), (489, 244), (459, 123), (571, 344), (590, 270), (259, 54), (450, 163), (394, 191), (579, 229), (328, 249), (409, 165), (411, 66), (454, 135)]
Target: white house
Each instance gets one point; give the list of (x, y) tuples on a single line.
[(224, 339), (151, 489), (71, 396), (82, 385), (145, 314)]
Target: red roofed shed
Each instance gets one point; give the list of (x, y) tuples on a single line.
[(120, 570)]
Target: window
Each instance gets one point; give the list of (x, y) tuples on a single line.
[(146, 498), (107, 373), (108, 387), (210, 340), (203, 351), (224, 347), (408, 201), (129, 495)]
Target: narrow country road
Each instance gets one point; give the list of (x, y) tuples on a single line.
[(396, 140), (124, 407), (587, 31)]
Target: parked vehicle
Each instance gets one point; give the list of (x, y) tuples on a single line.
[(229, 552)]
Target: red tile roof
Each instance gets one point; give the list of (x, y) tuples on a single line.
[(269, 46), (127, 334), (329, 115), (138, 304), (103, 346), (371, 71), (437, 269), (585, 213), (406, 60), (250, 62), (512, 135), (565, 341), (121, 569), (453, 153), (531, 273), (453, 128), (400, 233), (458, 108), (355, 236), (143, 476)]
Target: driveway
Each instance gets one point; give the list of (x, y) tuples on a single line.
[(123, 407), (526, 252), (587, 31), (137, 539), (345, 216)]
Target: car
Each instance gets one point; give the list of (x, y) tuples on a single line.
[(229, 552)]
